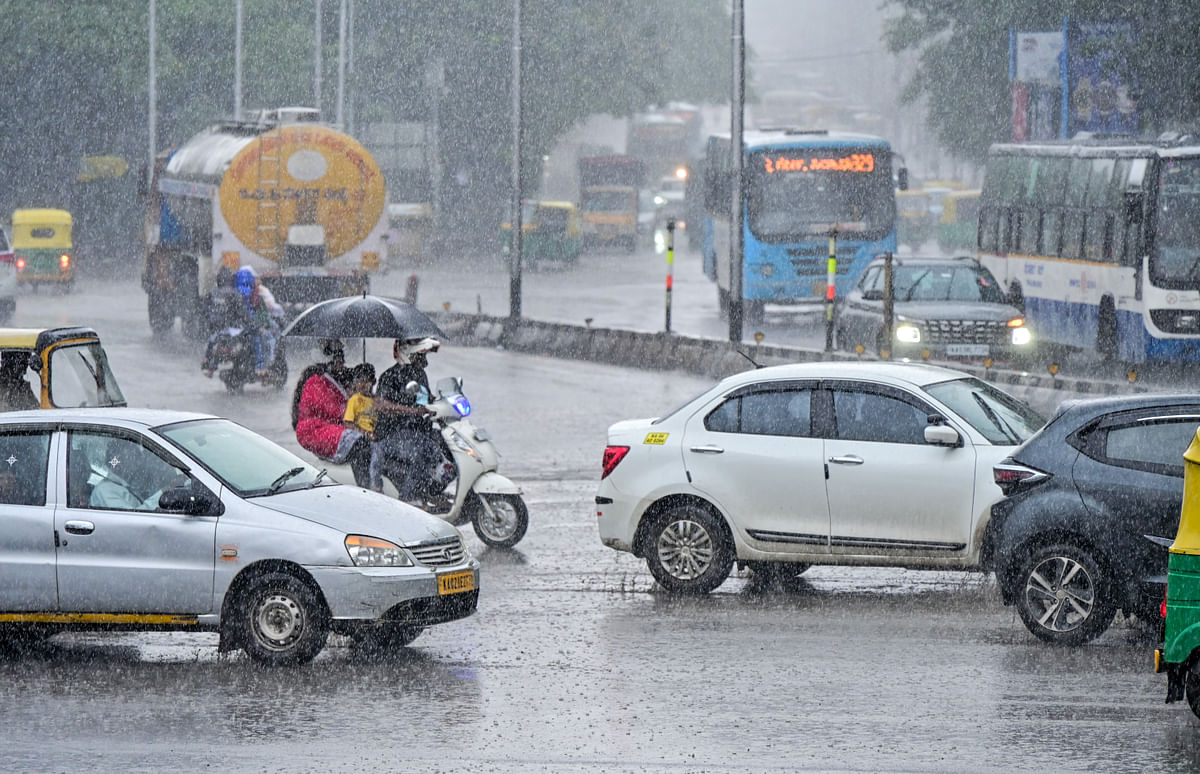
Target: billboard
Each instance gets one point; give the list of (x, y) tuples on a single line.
[(1103, 87)]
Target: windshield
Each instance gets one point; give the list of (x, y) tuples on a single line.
[(80, 376), (999, 417), (244, 461), (945, 283), (608, 201), (805, 192), (1177, 254)]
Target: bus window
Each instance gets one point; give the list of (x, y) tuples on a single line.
[(1031, 223), (1072, 238), (1051, 241), (1077, 180)]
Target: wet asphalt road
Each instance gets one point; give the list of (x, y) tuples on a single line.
[(575, 662)]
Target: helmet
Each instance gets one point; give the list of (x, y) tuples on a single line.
[(332, 347), (244, 281)]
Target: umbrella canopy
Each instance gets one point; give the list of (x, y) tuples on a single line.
[(364, 317)]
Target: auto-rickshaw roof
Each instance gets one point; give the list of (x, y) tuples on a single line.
[(29, 217), (37, 339), (1187, 539)]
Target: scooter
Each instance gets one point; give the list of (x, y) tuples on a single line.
[(477, 493), (233, 354)]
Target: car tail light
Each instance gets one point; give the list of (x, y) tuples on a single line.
[(1010, 476), (1162, 609), (64, 261), (612, 457), (21, 264)]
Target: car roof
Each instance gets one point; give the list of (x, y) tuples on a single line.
[(934, 260), (123, 416), (1079, 410), (899, 373)]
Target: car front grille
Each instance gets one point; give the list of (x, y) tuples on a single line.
[(967, 331), (439, 553)]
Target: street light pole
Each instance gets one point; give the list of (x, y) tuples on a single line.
[(317, 57), (152, 91), (341, 72), (514, 285), (736, 246), (237, 62)]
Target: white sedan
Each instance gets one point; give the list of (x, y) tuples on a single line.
[(138, 519), (886, 464)]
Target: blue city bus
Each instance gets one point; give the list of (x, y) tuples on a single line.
[(799, 186), (1099, 239)]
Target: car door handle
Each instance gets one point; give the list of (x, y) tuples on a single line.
[(708, 449), (78, 527), (847, 459)]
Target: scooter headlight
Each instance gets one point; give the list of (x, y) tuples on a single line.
[(461, 404)]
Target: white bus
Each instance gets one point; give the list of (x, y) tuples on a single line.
[(1100, 241)]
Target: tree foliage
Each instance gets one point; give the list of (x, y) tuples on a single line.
[(962, 70), (77, 74)]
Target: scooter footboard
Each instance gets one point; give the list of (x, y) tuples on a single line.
[(494, 483)]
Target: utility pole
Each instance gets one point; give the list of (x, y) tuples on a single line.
[(514, 284), (341, 71), (152, 91), (317, 57), (737, 107), (237, 62)]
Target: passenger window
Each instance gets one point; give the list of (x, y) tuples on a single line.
[(111, 472), (867, 416), (24, 455), (777, 412), (1145, 444)]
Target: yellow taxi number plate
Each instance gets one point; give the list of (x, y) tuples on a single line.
[(656, 439), (454, 582)]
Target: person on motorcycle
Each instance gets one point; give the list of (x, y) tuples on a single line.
[(264, 327), (409, 448), (225, 309), (318, 407)]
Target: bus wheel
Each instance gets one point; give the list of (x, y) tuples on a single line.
[(1106, 330), (723, 303)]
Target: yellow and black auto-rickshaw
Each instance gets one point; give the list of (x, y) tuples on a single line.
[(550, 231), (63, 367), (42, 250)]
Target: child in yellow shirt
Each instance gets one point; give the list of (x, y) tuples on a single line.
[(360, 415)]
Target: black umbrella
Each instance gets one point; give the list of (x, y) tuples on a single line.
[(364, 317)]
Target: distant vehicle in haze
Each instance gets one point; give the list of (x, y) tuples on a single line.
[(1101, 239)]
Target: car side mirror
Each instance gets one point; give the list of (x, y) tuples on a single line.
[(902, 178), (872, 295), (190, 500), (942, 435)]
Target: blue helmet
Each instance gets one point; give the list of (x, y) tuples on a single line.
[(244, 281)]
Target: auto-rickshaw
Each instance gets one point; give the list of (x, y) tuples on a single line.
[(41, 241), (958, 226), (550, 231), (64, 367), (1179, 656), (914, 221)]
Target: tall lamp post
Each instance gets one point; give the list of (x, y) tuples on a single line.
[(514, 285), (737, 106)]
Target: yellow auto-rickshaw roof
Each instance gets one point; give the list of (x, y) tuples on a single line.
[(37, 339), (32, 217), (1187, 539), (557, 205)]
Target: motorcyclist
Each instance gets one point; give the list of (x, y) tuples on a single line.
[(225, 309), (409, 448), (262, 326)]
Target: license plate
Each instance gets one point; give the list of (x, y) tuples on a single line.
[(455, 582), (967, 350)]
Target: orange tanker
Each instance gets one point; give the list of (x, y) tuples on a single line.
[(301, 202)]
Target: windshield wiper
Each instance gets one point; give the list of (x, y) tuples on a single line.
[(995, 419), (277, 483), (916, 284), (320, 475)]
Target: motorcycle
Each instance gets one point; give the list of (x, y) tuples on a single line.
[(232, 356), (475, 491)]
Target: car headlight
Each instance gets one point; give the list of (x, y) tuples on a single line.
[(373, 552), (908, 334), (1021, 336)]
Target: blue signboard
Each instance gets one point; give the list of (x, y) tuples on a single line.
[(1103, 85)]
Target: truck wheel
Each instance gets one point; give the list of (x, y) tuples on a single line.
[(1191, 687), (162, 316), (1063, 595)]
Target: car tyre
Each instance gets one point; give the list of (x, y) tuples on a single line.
[(1063, 595), (687, 550), (283, 621)]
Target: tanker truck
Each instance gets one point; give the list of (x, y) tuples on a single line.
[(301, 202)]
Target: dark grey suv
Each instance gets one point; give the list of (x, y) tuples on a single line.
[(1080, 495)]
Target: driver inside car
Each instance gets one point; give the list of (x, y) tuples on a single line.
[(130, 477)]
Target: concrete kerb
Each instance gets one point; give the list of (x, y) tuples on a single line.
[(713, 358)]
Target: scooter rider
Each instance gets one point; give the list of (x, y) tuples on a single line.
[(410, 449), (226, 309)]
